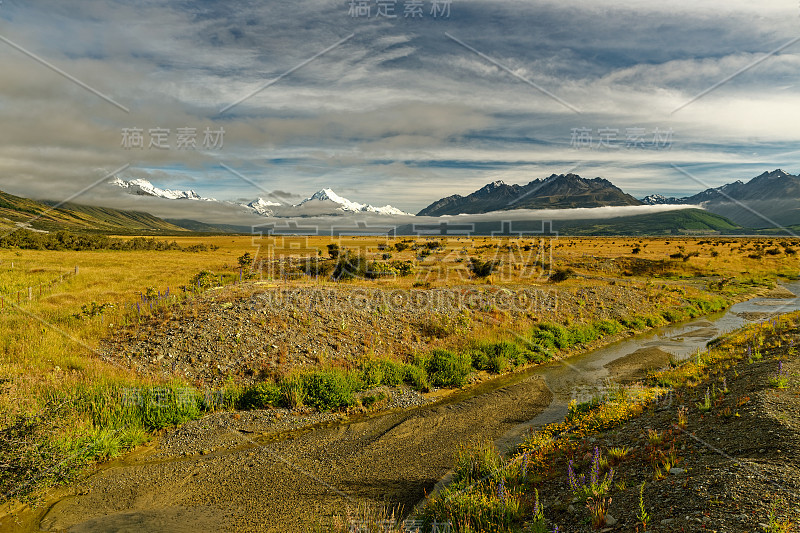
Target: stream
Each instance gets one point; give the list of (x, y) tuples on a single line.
[(286, 484)]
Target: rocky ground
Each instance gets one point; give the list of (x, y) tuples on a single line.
[(732, 466), (257, 331), (253, 474)]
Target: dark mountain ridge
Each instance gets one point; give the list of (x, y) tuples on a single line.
[(562, 191)]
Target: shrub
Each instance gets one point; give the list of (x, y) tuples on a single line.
[(482, 269), (416, 377), (446, 368), (561, 274), (477, 462), (609, 327), (349, 266), (551, 335), (333, 251), (261, 396), (480, 359), (316, 267), (245, 260), (326, 390), (293, 392), (203, 279)]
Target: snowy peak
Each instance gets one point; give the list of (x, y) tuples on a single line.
[(262, 207), (322, 203), (659, 199), (142, 187), (344, 205)]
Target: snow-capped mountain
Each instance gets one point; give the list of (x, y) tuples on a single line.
[(327, 196), (322, 203), (142, 187), (659, 199), (262, 207)]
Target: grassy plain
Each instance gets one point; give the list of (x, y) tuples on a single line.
[(55, 383)]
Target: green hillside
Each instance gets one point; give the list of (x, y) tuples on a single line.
[(683, 221), (16, 211)]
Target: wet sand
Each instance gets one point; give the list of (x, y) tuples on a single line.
[(292, 484)]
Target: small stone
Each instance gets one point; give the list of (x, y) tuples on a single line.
[(667, 521), (610, 520), (675, 471)]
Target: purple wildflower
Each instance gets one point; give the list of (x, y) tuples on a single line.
[(501, 492), (524, 465), (573, 483)]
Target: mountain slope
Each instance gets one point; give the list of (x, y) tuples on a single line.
[(775, 185), (674, 222), (769, 199), (563, 191), (21, 212)]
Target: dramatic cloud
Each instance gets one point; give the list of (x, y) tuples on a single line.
[(401, 111)]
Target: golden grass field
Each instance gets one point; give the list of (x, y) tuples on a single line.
[(44, 347), (48, 352)]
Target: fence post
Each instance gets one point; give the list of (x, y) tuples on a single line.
[(76, 270), (30, 293)]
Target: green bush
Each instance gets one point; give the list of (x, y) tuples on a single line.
[(609, 327), (561, 274), (261, 396), (293, 392), (482, 269), (446, 369), (350, 266), (327, 390), (633, 322), (372, 373), (416, 377), (480, 359), (550, 336)]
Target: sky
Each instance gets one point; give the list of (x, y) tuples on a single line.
[(402, 111)]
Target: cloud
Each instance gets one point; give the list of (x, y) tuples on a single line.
[(399, 113)]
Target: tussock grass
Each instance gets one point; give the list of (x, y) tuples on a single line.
[(47, 347)]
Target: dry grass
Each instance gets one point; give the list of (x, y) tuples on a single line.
[(45, 351)]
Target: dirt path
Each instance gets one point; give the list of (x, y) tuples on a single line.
[(260, 483)]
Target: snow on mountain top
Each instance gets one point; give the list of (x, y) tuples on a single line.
[(346, 205), (145, 188), (260, 206)]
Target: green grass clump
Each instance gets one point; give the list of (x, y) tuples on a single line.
[(485, 495), (261, 396), (497, 357), (328, 390), (445, 368)]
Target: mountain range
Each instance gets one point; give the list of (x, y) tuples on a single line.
[(321, 203), (562, 191), (768, 199)]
